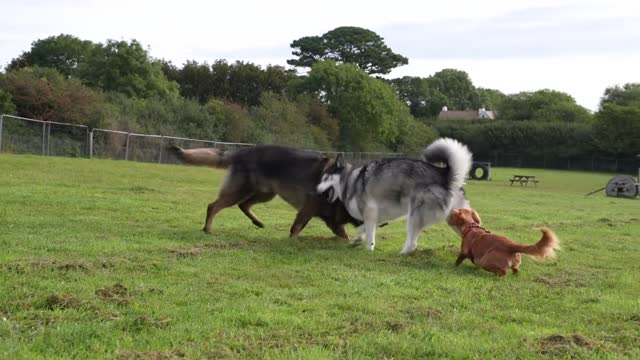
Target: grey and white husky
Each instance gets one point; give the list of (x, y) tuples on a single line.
[(423, 190)]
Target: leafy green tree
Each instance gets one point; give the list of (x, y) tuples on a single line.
[(280, 121), (169, 70), (367, 109), (530, 138), (353, 45), (232, 121), (319, 116), (414, 136), (6, 105), (627, 95), (543, 105), (125, 67), (617, 129), (491, 99), (246, 82), (457, 87), (45, 94), (64, 53), (241, 83), (196, 81), (423, 101)]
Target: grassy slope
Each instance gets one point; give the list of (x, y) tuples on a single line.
[(73, 230)]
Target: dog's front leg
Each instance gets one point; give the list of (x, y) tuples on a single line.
[(370, 224), (460, 259), (357, 240), (309, 208)]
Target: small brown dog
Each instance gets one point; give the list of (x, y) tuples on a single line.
[(495, 253)]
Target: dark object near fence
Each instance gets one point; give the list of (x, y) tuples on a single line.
[(524, 180), (484, 168), (622, 186)]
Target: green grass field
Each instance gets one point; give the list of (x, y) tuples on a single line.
[(106, 259)]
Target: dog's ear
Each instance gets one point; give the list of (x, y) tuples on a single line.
[(475, 216), (340, 162)]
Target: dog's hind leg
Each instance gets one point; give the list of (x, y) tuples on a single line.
[(234, 190), (309, 208), (370, 223), (246, 205), (416, 221), (515, 266), (338, 230)]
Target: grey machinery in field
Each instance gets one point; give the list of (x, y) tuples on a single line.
[(622, 186)]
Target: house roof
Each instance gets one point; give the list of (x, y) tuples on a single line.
[(466, 115)]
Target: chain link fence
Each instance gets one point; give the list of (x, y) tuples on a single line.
[(565, 162), (29, 136), (20, 135)]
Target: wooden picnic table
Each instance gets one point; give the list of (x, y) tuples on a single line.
[(524, 180)]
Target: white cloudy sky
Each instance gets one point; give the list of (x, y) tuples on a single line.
[(580, 47)]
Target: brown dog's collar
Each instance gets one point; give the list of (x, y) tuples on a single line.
[(471, 227)]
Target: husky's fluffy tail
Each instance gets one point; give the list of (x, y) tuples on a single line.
[(547, 246), (203, 156), (455, 155)]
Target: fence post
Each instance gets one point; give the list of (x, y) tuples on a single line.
[(44, 125), (88, 143), (48, 139), (1, 118), (90, 135), (126, 151), (161, 145)]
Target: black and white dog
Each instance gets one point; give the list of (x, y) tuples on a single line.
[(424, 190)]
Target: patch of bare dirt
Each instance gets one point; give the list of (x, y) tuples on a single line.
[(396, 325), (146, 322), (422, 254), (576, 279), (63, 301), (73, 266), (151, 355), (423, 312), (118, 294), (556, 343), (187, 252)]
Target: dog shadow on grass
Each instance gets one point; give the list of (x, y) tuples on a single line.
[(436, 258)]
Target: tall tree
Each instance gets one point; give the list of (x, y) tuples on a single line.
[(627, 95), (279, 121), (63, 52), (457, 87), (543, 105), (196, 81), (354, 45), (6, 105), (490, 98), (45, 94), (423, 100), (617, 129), (125, 67), (367, 109)]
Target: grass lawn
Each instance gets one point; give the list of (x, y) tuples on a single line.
[(103, 259)]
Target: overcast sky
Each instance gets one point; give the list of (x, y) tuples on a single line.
[(579, 47)]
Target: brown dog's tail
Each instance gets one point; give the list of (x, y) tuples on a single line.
[(203, 157), (546, 247)]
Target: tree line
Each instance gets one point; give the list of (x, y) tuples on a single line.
[(339, 103)]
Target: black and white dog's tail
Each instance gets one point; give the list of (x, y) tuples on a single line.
[(455, 155)]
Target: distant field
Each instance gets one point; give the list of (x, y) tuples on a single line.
[(106, 259)]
